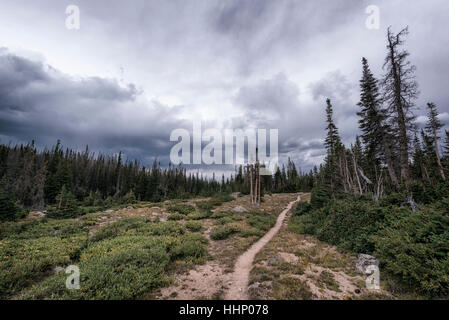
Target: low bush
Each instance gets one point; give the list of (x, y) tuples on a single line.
[(261, 221), (413, 246), (223, 232), (194, 226), (176, 216), (181, 209), (346, 223), (34, 249)]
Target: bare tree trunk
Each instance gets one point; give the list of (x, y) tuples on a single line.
[(251, 184), (403, 140), (440, 166), (356, 173), (389, 161)]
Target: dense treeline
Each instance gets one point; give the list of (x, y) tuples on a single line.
[(388, 193), (65, 178)]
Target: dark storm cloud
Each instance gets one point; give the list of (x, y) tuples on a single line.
[(261, 30), (40, 103), (271, 63)]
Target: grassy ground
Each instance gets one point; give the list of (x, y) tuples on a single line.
[(172, 250), (122, 253), (129, 253)]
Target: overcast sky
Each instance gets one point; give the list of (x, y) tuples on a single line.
[(138, 69)]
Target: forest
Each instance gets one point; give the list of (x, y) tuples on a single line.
[(68, 179)]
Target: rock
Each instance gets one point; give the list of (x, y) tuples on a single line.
[(227, 282), (164, 216), (58, 269), (365, 260), (36, 215), (129, 208), (103, 218), (109, 211), (239, 209), (154, 208), (255, 285)]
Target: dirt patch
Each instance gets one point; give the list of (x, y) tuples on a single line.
[(203, 283)]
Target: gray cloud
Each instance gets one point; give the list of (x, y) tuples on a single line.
[(40, 103), (233, 64)]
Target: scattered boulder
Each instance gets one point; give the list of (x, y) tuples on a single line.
[(239, 209), (129, 208), (109, 211), (36, 215), (364, 261), (154, 208)]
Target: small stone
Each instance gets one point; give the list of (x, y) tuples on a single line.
[(255, 285), (129, 208), (109, 211), (239, 209)]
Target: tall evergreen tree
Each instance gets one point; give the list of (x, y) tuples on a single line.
[(376, 132)]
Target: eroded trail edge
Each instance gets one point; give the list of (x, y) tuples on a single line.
[(240, 277)]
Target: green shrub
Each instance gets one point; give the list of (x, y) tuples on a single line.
[(194, 226), (302, 208), (189, 250), (413, 246), (129, 198), (250, 233), (346, 223), (222, 233), (122, 274), (198, 215), (181, 209), (261, 221), (206, 206), (34, 249), (176, 216)]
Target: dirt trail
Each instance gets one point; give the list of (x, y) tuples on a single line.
[(240, 278)]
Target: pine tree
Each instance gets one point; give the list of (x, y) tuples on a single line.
[(334, 148), (433, 127), (400, 91), (376, 132)]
